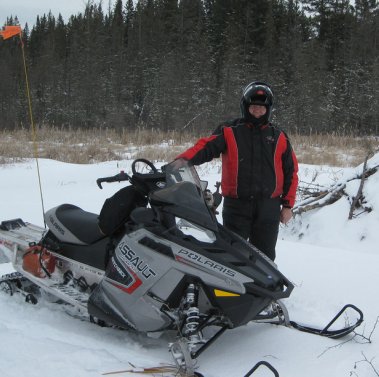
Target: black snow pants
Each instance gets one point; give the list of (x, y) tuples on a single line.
[(256, 220)]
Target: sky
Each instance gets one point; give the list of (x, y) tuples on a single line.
[(28, 10), (332, 261)]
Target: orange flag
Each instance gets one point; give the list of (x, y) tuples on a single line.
[(10, 31)]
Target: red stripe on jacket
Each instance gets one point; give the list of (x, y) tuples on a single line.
[(229, 165), (291, 195), (280, 149), (191, 152)]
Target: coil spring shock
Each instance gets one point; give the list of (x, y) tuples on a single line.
[(192, 320), (192, 313)]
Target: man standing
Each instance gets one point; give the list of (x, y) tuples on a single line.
[(259, 169)]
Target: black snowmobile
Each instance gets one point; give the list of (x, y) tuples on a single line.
[(165, 264)]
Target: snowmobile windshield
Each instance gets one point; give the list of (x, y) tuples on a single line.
[(183, 195)]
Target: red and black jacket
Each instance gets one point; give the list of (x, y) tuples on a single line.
[(256, 161)]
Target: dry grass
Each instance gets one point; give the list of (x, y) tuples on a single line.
[(333, 149), (89, 146)]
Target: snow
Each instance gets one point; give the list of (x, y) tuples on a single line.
[(331, 260)]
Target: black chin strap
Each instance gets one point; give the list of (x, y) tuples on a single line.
[(257, 121)]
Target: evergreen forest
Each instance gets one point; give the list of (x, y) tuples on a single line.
[(182, 65)]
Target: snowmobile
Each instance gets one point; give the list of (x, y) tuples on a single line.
[(169, 265)]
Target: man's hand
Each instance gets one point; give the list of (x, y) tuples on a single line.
[(285, 215)]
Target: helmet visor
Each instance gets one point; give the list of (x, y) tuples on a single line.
[(258, 95)]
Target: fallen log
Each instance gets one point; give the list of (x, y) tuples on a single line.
[(317, 199), (359, 196)]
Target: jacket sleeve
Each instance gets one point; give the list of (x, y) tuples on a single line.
[(206, 149), (291, 180)]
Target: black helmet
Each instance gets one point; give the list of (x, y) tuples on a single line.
[(257, 93)]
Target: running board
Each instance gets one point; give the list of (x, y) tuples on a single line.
[(64, 292)]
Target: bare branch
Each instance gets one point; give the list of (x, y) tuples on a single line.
[(356, 335), (336, 346), (368, 339), (366, 360)]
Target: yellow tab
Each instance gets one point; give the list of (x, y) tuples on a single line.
[(219, 293)]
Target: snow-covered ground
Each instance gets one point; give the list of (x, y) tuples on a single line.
[(333, 263)]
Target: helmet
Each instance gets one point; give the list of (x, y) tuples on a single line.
[(257, 93)]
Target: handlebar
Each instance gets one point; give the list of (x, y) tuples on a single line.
[(122, 176), (146, 182)]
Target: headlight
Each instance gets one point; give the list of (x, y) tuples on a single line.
[(194, 230)]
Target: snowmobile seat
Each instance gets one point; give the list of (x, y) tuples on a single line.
[(74, 225)]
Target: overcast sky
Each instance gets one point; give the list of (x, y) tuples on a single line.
[(28, 10)]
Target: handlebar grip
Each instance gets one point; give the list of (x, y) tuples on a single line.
[(99, 181), (116, 178)]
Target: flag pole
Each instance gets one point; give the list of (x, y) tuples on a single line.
[(34, 132)]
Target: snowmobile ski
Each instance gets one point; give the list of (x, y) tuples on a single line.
[(334, 334), (279, 311), (258, 365)]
